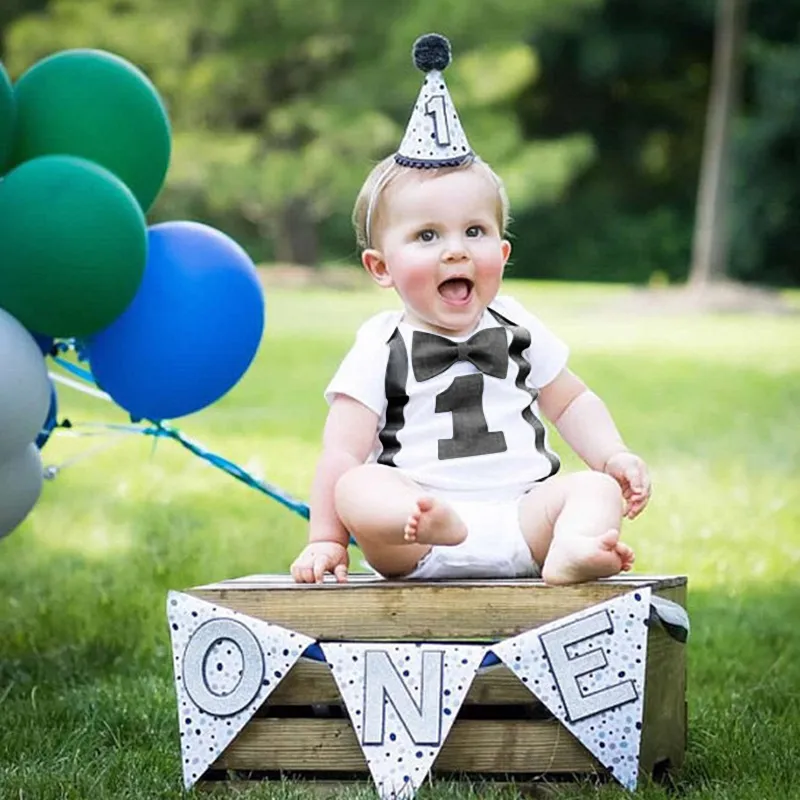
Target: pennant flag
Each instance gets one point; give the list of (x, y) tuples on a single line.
[(588, 669), (402, 700), (226, 665)]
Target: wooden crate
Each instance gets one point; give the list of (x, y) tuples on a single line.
[(501, 730)]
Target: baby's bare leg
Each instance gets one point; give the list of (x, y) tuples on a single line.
[(572, 524), (392, 519)]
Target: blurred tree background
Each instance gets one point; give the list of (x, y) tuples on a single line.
[(594, 111)]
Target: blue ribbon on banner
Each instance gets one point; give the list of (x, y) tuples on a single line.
[(314, 653)]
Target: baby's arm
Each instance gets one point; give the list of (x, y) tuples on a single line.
[(585, 424), (347, 441)]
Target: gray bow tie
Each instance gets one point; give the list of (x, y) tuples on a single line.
[(487, 350)]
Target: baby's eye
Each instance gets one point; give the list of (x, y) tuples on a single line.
[(427, 235), (474, 231)]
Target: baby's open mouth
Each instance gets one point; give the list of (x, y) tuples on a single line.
[(456, 290)]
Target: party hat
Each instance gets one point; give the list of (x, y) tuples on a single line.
[(434, 136)]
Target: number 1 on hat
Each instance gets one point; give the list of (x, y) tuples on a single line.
[(435, 107)]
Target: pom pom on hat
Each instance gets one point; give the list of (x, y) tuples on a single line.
[(431, 51)]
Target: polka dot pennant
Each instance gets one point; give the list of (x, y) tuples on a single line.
[(226, 665), (588, 669), (434, 136), (402, 700)]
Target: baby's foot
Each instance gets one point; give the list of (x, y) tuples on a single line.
[(575, 559), (434, 522)]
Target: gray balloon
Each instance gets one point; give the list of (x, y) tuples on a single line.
[(21, 480), (24, 388)]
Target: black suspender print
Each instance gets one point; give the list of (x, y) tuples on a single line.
[(520, 341), (396, 399)]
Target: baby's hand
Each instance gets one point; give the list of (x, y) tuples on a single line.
[(631, 473), (318, 558)]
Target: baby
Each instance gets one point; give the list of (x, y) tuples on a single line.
[(435, 457)]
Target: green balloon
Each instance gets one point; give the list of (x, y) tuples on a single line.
[(7, 113), (98, 106), (73, 246)]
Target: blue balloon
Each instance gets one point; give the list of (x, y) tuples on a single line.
[(190, 332)]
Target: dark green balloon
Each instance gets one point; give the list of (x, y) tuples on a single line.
[(6, 118), (98, 106), (73, 246)]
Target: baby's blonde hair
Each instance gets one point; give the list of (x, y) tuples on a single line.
[(366, 211)]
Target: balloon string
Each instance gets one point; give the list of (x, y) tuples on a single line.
[(51, 471), (81, 387), (160, 430), (77, 370)]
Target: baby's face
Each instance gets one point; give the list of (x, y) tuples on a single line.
[(442, 247)]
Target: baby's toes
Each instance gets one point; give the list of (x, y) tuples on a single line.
[(626, 556), (410, 531), (425, 504), (624, 551)]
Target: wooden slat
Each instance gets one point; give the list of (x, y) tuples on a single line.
[(473, 746), (360, 580), (311, 682), (384, 610)]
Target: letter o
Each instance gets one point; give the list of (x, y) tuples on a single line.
[(194, 662)]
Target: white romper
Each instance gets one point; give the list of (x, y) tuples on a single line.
[(458, 415)]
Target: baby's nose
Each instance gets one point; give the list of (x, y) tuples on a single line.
[(454, 251)]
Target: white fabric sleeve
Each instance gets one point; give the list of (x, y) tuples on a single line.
[(362, 373), (547, 354)]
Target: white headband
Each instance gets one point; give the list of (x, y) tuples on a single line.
[(373, 203)]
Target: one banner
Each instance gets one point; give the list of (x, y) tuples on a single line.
[(402, 700), (226, 665), (589, 670)]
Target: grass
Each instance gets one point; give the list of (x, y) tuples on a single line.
[(86, 692)]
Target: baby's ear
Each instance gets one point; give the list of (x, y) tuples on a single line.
[(375, 264), (505, 249)]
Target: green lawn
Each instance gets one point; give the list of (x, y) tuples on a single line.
[(88, 708)]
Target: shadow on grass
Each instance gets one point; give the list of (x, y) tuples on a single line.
[(69, 618)]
